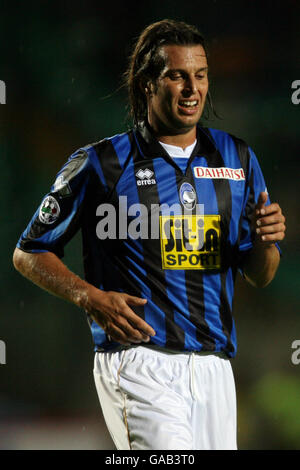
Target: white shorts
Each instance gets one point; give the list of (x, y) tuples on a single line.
[(152, 399)]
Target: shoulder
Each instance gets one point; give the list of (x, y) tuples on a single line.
[(230, 146), (101, 151), (223, 138), (108, 157), (107, 143)]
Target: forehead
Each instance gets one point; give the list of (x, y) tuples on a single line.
[(184, 57)]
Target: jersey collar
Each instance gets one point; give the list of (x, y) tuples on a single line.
[(150, 147)]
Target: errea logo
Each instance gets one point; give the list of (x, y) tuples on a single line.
[(144, 177)]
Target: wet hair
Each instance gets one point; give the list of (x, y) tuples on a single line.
[(146, 63)]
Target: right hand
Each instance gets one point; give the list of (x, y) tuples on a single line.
[(112, 312)]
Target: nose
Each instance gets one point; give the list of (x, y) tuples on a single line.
[(190, 85)]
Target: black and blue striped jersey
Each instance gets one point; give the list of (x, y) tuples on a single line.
[(183, 260)]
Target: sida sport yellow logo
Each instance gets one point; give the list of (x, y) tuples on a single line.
[(190, 241)]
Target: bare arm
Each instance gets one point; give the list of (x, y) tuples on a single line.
[(262, 262), (111, 310)]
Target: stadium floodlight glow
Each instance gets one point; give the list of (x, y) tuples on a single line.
[(2, 92)]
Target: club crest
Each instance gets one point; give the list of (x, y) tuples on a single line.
[(188, 196)]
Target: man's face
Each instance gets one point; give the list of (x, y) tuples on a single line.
[(176, 103)]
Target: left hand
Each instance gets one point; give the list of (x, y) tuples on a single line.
[(269, 222)]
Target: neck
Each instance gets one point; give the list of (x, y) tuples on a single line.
[(179, 140), (182, 138)]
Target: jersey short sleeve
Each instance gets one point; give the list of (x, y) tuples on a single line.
[(256, 184), (57, 219)]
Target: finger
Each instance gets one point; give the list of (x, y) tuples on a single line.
[(273, 218), (272, 228), (145, 337), (138, 322), (113, 332), (273, 237), (134, 319), (117, 335), (130, 330), (121, 324), (122, 332), (262, 200), (131, 300), (274, 207), (120, 313)]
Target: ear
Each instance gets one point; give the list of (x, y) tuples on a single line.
[(149, 89), (143, 86), (146, 89)]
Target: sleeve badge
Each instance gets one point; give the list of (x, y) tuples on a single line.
[(49, 210)]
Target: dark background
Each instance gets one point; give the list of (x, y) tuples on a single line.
[(59, 61)]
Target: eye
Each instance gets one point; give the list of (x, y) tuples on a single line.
[(175, 75)]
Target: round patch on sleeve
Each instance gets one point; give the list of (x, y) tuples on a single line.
[(49, 210)]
